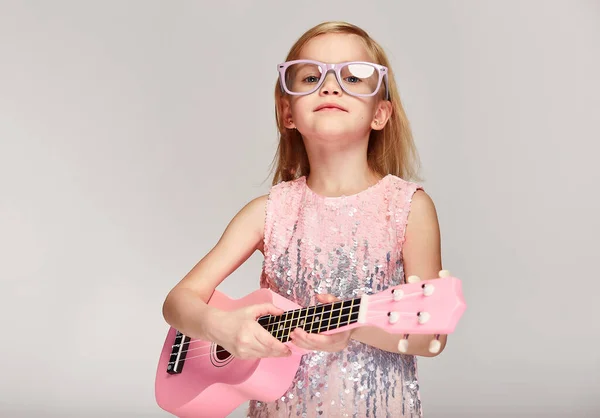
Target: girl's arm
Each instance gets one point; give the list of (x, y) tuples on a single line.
[(185, 306), (422, 257)]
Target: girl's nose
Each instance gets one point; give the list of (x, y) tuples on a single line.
[(330, 85)]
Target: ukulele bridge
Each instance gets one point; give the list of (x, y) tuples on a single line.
[(178, 353)]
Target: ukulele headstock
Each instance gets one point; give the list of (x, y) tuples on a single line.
[(418, 307)]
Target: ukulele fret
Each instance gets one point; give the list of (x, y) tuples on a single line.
[(287, 323), (326, 317), (316, 319), (335, 309), (344, 314), (304, 322), (271, 324), (309, 318), (281, 331), (350, 313), (354, 312), (293, 323)]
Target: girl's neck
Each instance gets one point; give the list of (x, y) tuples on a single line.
[(342, 172)]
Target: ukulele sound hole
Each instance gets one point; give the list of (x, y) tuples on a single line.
[(221, 353)]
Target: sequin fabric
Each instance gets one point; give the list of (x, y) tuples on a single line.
[(346, 246)]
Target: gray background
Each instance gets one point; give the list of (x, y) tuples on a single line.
[(130, 134)]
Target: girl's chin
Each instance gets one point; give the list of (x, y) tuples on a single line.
[(333, 130)]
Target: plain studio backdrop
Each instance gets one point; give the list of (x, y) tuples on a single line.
[(132, 131)]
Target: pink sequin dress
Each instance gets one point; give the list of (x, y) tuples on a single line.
[(345, 246)]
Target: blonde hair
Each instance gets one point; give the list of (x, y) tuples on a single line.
[(390, 150)]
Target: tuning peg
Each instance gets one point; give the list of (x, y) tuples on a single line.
[(435, 345), (413, 279), (397, 294), (428, 289), (444, 273), (394, 316), (423, 317), (403, 344)]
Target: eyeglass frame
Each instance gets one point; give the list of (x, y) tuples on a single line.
[(336, 68)]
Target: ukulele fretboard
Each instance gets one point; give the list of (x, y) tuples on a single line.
[(313, 319)]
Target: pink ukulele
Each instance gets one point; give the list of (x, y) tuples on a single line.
[(198, 378)]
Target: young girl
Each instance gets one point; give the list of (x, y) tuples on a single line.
[(341, 219)]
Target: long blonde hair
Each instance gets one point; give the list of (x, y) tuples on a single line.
[(390, 150)]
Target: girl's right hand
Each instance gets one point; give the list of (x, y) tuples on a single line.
[(240, 334)]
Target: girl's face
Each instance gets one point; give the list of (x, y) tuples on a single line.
[(357, 116)]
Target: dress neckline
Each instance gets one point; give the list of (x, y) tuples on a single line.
[(343, 196)]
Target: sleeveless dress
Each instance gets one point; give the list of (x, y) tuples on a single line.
[(345, 246)]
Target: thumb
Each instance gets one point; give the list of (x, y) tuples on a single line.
[(327, 298), (266, 309)]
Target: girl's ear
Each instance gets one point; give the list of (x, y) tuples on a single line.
[(382, 115), (286, 113)]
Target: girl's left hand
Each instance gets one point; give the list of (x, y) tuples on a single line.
[(330, 343)]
